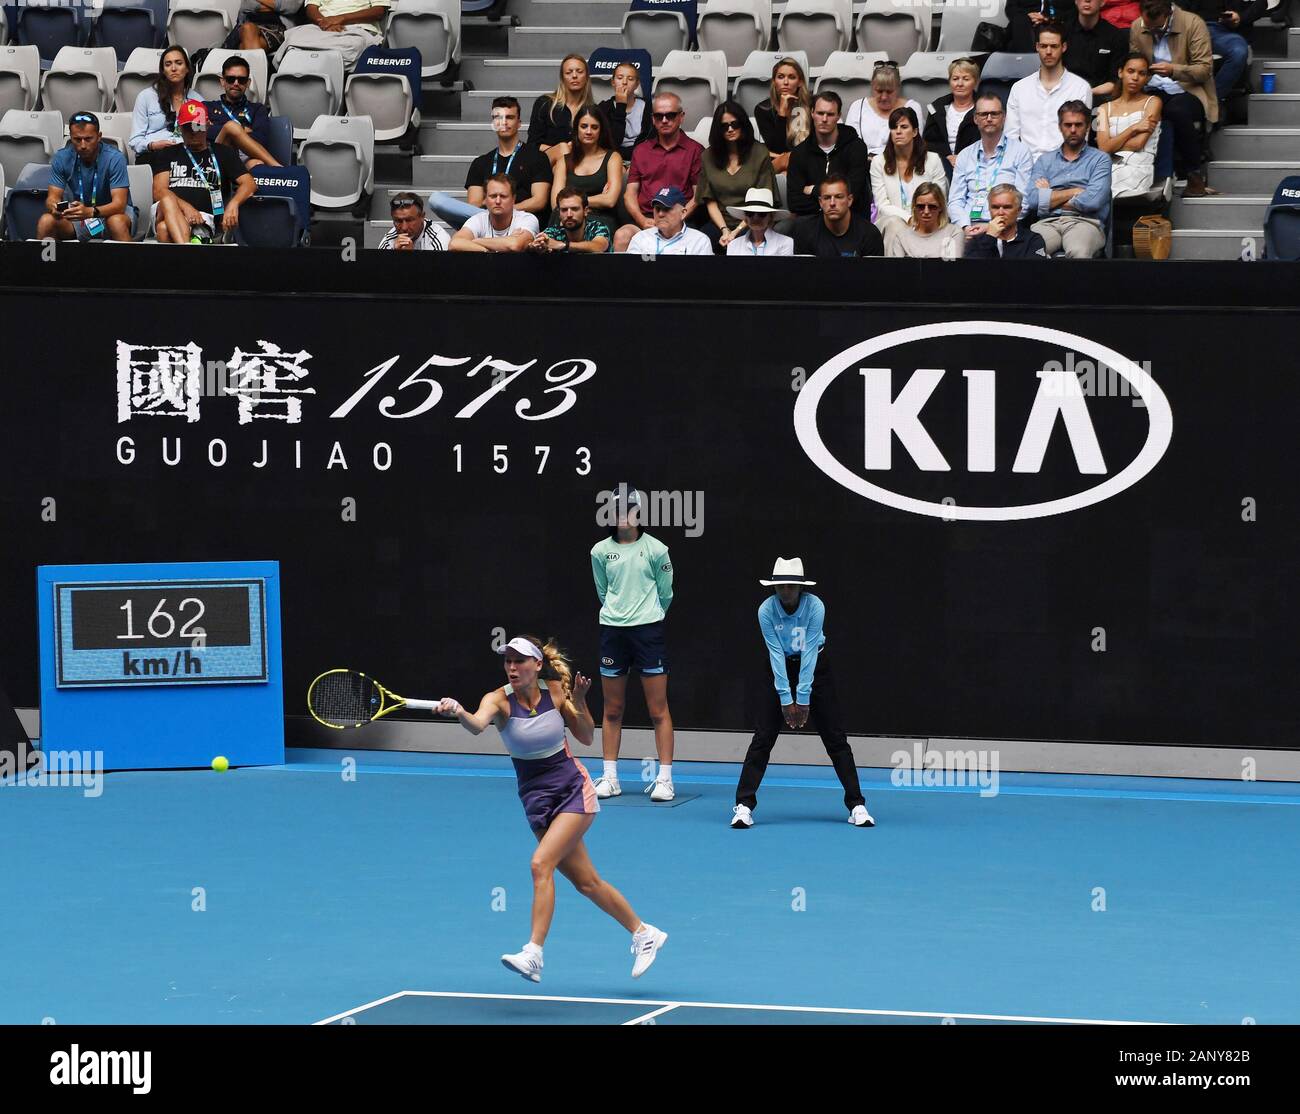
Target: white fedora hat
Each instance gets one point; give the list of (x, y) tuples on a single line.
[(787, 571), (758, 200)]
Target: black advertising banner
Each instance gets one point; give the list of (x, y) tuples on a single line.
[(1058, 524)]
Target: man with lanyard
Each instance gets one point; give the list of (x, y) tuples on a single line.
[(234, 110), (800, 684), (668, 235), (574, 232), (759, 214), (994, 159), (198, 185), (95, 175), (500, 227)]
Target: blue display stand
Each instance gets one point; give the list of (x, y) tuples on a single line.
[(162, 666)]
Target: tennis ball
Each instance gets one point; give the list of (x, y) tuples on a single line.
[(221, 764)]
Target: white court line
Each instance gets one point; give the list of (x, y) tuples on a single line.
[(740, 1006), (652, 1014)]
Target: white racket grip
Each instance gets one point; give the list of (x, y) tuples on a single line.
[(423, 705)]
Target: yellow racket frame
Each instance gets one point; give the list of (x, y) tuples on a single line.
[(385, 707)]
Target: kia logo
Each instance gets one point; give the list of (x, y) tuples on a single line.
[(895, 395)]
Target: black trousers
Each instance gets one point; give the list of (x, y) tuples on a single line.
[(823, 715), (1184, 114)]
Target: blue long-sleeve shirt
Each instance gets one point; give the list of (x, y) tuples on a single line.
[(975, 174), (787, 635), (1091, 170)]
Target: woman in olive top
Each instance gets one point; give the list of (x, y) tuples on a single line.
[(785, 118), (733, 165)]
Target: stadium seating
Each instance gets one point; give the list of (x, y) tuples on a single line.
[(735, 27), (140, 71), (140, 178), (848, 74), (817, 27), (386, 97), (957, 31), (20, 77), (699, 78), (898, 27), (1282, 221), (754, 81), (28, 137), (308, 84), (339, 154), (26, 201), (1001, 71), (81, 78), (659, 33), (115, 128), (4, 38), (129, 24), (207, 83), (279, 214), (925, 77), (430, 26), (49, 30), (201, 24)]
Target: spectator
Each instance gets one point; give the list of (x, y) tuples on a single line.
[(670, 158), (837, 231), (731, 167), (592, 168), (1177, 44), (411, 231), (1128, 130), (1003, 237), (348, 26), (950, 121), (628, 114), (94, 175), (1121, 13), (1071, 192), (573, 230), (550, 129), (832, 148), (759, 214), (1096, 48), (669, 234), (1024, 17), (869, 117), (785, 117), (499, 226), (196, 185), (1229, 23), (261, 25), (1034, 100), (233, 115), (928, 234), (153, 119), (995, 158), (900, 168)]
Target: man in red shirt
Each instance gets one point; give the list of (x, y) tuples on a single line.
[(669, 158)]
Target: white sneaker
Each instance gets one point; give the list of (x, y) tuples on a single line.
[(742, 817), (528, 964), (861, 818), (607, 787), (661, 790), (645, 946)]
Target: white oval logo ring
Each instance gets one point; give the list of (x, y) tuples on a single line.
[(1159, 415)]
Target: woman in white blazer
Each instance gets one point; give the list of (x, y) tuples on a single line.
[(901, 167)]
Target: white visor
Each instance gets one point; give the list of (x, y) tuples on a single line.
[(522, 646)]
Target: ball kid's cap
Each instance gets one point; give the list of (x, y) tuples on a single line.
[(192, 114), (668, 197), (522, 646)]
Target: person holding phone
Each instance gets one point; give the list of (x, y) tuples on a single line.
[(93, 176)]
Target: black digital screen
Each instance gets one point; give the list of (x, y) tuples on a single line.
[(167, 615)]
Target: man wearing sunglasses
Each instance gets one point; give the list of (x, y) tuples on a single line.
[(94, 176), (668, 160), (411, 231), (234, 112)]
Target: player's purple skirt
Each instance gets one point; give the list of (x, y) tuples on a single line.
[(549, 786)]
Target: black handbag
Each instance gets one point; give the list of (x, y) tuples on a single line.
[(990, 38)]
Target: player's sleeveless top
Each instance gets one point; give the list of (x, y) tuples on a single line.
[(536, 734)]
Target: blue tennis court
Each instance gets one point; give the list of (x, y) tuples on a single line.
[(303, 894)]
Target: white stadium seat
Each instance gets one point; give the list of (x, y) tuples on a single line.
[(115, 128), (925, 76), (4, 38), (20, 77), (199, 24), (384, 97), (660, 33), (430, 26), (309, 83), (698, 77), (208, 82), (140, 178), (754, 82), (957, 31), (848, 74), (735, 27), (817, 27), (140, 71), (898, 27), (81, 79), (339, 154), (27, 137)]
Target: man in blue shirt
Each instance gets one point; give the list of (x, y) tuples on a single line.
[(995, 159), (792, 622), (94, 176), (235, 114), (1070, 192)]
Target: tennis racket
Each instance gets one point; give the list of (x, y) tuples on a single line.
[(342, 698)]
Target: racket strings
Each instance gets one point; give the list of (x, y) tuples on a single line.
[(345, 699)]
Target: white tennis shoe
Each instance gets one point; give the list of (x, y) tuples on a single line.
[(861, 818), (526, 963), (608, 787), (661, 790), (742, 817), (646, 942)]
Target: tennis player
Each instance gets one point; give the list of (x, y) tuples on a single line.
[(634, 581), (555, 788), (792, 622)]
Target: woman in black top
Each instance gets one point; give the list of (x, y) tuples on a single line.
[(785, 118), (551, 126), (963, 77), (593, 168)]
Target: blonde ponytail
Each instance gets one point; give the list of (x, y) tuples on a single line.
[(556, 667)]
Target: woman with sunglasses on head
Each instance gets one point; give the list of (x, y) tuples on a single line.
[(550, 128), (540, 699), (785, 118), (870, 115), (733, 165), (928, 234), (900, 168), (592, 168), (950, 121)]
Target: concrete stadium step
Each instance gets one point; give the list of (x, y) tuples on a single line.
[(483, 35), (515, 73), (1250, 179), (1216, 243), (476, 107), (440, 172), (540, 42), (1293, 43), (1260, 144), (1274, 110), (1219, 213), (443, 137), (1269, 39), (569, 13), (1287, 73), (379, 200)]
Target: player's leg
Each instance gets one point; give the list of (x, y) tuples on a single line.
[(646, 939), (824, 714)]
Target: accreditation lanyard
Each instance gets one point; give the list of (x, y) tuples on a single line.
[(754, 249), (509, 162), (661, 243), (981, 194), (94, 183), (218, 206), (245, 117)]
